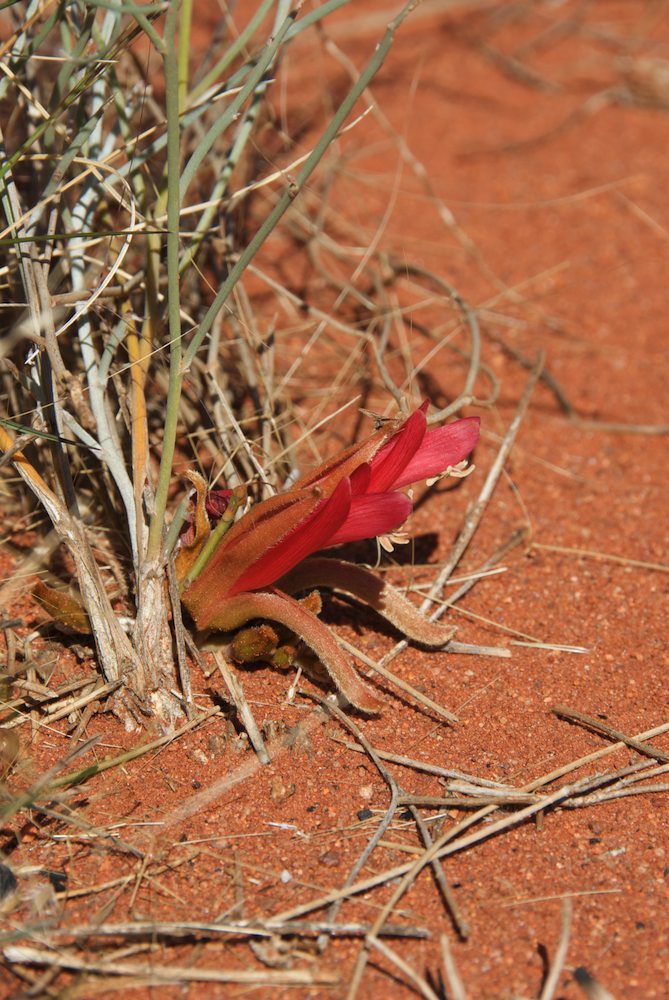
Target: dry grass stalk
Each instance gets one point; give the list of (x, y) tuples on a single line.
[(640, 746), (552, 979), (205, 931), (451, 974), (238, 699), (154, 974)]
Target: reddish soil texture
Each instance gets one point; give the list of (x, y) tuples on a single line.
[(543, 129)]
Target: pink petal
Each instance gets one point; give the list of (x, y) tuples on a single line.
[(372, 514), (390, 461), (440, 448), (312, 534)]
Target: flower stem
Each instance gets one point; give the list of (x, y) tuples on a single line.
[(237, 497)]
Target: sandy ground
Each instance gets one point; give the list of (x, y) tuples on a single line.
[(543, 130)]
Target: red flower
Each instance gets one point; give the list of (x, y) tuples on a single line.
[(412, 454), (350, 497)]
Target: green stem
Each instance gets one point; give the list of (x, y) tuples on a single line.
[(233, 51), (286, 200), (176, 524), (242, 138), (141, 13), (173, 303), (232, 110), (184, 51)]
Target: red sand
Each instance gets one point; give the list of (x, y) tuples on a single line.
[(577, 224)]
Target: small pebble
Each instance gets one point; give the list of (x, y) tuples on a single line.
[(279, 791), (330, 858)]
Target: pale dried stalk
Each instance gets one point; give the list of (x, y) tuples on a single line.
[(238, 697), (455, 986), (169, 974), (118, 660), (237, 928), (419, 983), (153, 641), (553, 976)]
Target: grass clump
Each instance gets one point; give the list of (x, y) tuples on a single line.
[(129, 191)]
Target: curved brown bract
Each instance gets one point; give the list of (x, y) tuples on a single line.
[(278, 607), (365, 586)]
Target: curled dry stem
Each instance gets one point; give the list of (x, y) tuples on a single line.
[(365, 586)]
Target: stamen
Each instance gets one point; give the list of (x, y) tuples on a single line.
[(393, 538), (459, 471)]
